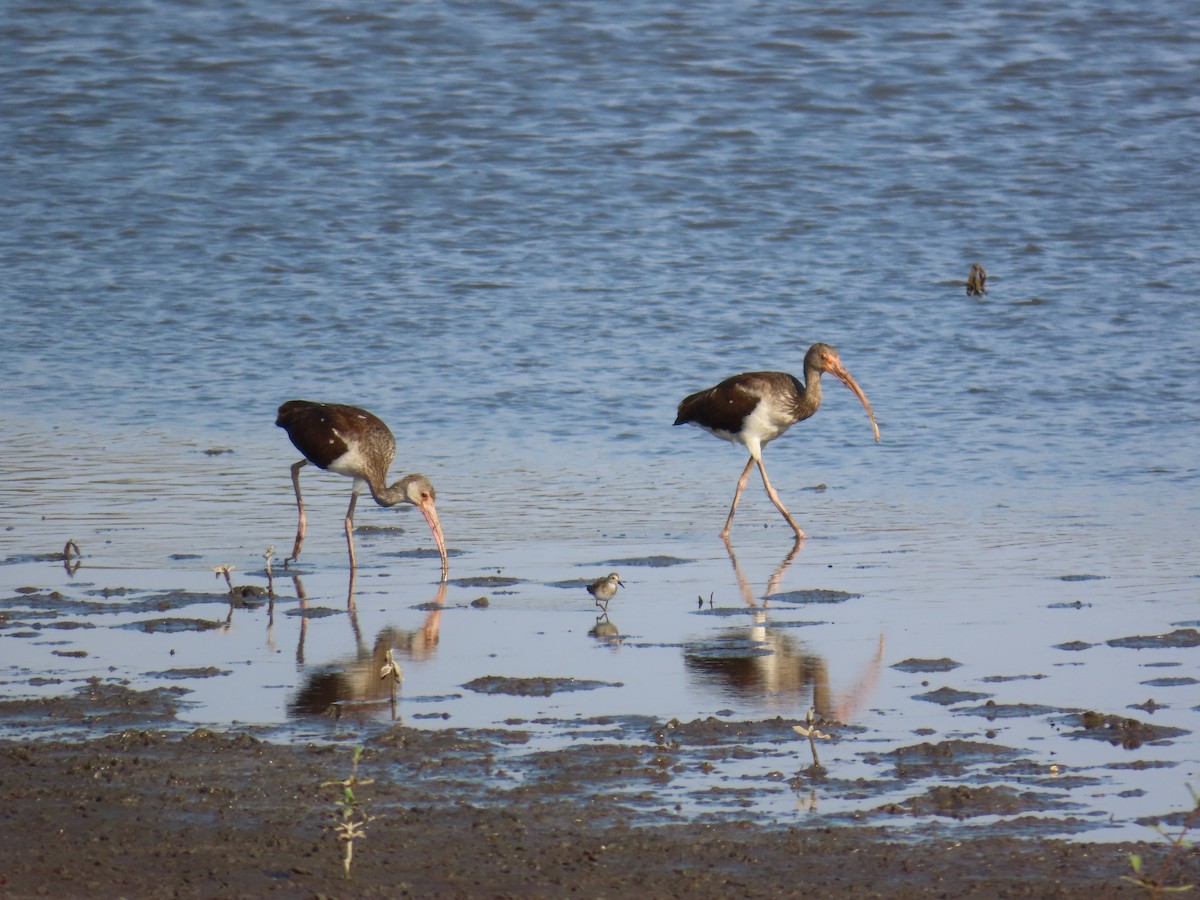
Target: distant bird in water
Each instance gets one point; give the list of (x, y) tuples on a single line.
[(604, 589), (353, 442), (754, 408), (977, 281)]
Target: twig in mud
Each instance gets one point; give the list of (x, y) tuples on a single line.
[(392, 672), (811, 732), (267, 555), (225, 570)]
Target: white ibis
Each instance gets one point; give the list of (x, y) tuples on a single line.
[(353, 442), (754, 408), (604, 589)]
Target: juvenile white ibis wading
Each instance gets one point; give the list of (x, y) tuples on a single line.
[(354, 443), (754, 408)]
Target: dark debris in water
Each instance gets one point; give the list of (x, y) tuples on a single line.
[(379, 529), (994, 710), (182, 674), (1083, 577), (124, 600), (714, 731), (727, 611), (1074, 646), (945, 664), (917, 760), (652, 562), (419, 553), (962, 801), (314, 612), (98, 703), (485, 581), (1120, 731), (1180, 681), (539, 686), (172, 626), (947, 696), (725, 647), (1179, 638), (814, 595)]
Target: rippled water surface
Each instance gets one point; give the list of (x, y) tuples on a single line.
[(520, 233)]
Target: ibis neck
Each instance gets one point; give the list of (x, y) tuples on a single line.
[(808, 399), (385, 495)]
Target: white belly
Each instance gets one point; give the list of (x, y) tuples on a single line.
[(758, 429)]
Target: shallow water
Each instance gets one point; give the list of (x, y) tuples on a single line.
[(521, 233)]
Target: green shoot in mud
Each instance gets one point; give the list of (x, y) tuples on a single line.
[(1156, 885), (349, 821)]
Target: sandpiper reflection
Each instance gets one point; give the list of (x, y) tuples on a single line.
[(764, 663), (606, 632), (355, 686)]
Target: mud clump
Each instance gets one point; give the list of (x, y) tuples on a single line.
[(945, 664), (1121, 731), (533, 687), (961, 801), (1177, 639)]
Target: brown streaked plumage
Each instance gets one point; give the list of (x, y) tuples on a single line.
[(604, 589), (754, 408), (976, 281), (355, 443)]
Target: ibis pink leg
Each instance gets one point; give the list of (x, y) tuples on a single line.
[(737, 495), (774, 499), (350, 529), (303, 523)]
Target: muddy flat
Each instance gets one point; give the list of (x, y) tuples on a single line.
[(206, 814)]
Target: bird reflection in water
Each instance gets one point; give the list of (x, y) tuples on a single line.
[(358, 685), (606, 632), (759, 662), (72, 563)]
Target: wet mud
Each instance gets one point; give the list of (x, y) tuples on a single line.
[(456, 813), (116, 781)]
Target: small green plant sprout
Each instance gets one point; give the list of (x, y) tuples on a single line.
[(349, 821), (813, 734), (1156, 885)]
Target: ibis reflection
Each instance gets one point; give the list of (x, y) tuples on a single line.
[(764, 663), (360, 684)]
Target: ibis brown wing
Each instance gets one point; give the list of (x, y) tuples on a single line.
[(316, 428), (726, 406)]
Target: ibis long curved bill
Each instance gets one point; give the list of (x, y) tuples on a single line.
[(836, 369), (429, 511)]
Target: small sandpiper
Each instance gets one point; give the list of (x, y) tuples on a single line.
[(976, 281), (604, 589)]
